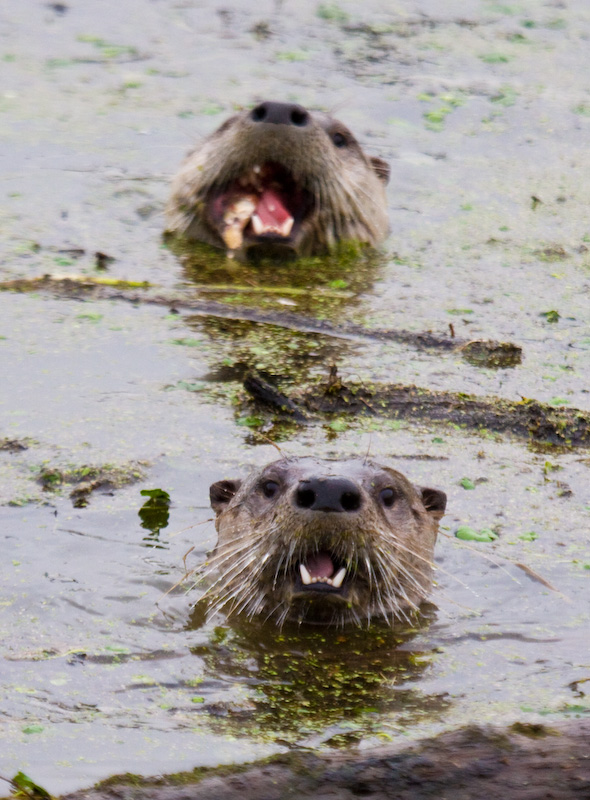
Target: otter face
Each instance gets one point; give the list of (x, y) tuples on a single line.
[(280, 180), (324, 542)]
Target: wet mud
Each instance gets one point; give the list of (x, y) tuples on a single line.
[(482, 353), (535, 422), (522, 763), (136, 371), (88, 479)]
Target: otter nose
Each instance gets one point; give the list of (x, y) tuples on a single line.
[(280, 114), (328, 494)]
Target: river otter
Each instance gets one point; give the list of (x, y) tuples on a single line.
[(324, 542), (279, 180)]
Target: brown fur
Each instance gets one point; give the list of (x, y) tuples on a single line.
[(387, 549), (345, 188)]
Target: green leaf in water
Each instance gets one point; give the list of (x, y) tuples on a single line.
[(551, 316), (468, 534), (250, 422), (25, 786), (338, 425)]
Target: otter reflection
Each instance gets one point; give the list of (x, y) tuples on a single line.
[(310, 684)]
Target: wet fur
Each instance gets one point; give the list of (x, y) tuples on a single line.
[(348, 187), (389, 550)]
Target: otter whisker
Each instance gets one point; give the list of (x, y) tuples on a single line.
[(230, 597), (390, 599), (232, 573), (434, 565), (395, 566), (392, 577), (239, 604), (370, 572), (214, 569), (219, 557), (442, 592), (283, 616)]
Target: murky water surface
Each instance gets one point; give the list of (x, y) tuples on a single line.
[(483, 111)]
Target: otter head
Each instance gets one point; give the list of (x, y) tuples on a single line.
[(324, 542), (282, 181)]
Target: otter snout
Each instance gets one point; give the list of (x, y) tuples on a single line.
[(275, 113), (328, 494)]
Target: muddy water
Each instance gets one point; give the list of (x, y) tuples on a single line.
[(483, 111)]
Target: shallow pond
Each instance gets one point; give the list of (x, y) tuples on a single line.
[(483, 112)]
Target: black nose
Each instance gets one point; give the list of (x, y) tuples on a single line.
[(328, 494), (280, 114)]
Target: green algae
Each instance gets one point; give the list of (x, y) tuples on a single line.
[(322, 286), (305, 680)]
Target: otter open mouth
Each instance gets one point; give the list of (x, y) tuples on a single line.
[(264, 205), (321, 573)]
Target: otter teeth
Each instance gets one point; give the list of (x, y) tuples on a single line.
[(242, 211), (260, 227), (336, 581), (305, 576), (338, 578)]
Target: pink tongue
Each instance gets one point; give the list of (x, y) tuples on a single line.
[(271, 210), (320, 566)]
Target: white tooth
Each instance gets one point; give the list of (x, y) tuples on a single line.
[(305, 576), (286, 226), (257, 224), (256, 168), (329, 581), (338, 578)]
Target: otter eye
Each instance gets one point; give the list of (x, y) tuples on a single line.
[(387, 497), (339, 139), (270, 488)]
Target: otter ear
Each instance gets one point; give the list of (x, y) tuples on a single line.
[(381, 168), (434, 501), (221, 492)]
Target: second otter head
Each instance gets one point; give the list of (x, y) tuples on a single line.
[(282, 180), (324, 542)]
